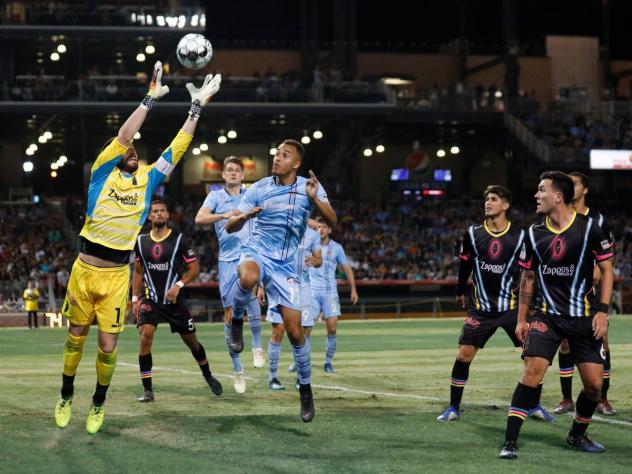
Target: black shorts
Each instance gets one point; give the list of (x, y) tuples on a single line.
[(177, 315), (478, 327), (546, 333)]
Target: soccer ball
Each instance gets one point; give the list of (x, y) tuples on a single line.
[(194, 51)]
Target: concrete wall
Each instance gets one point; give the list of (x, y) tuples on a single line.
[(574, 63)]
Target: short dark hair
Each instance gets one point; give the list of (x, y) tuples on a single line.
[(159, 201), (562, 183), (582, 177), (296, 144), (501, 191), (234, 160), (322, 220)]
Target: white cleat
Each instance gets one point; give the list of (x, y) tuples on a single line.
[(258, 358), (239, 382)]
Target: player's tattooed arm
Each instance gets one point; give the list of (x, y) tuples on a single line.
[(236, 223), (600, 321), (527, 282)]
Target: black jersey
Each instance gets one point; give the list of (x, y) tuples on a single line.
[(163, 262), (492, 258), (602, 223), (563, 262)]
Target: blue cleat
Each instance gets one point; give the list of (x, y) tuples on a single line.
[(583, 443), (539, 413), (451, 414), (329, 368)]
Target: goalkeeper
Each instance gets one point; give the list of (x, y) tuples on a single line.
[(119, 194)]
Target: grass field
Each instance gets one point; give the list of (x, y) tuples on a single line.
[(376, 414)]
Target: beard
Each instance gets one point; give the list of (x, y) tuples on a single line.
[(159, 224)]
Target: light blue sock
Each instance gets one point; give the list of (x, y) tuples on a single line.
[(233, 355), (254, 321), (303, 361), (308, 343), (331, 349), (241, 298), (274, 354)]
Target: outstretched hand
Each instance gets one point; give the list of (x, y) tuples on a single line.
[(207, 91), (156, 89)]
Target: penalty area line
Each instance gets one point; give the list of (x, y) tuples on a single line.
[(411, 396)]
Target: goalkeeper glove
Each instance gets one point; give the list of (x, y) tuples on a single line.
[(200, 97), (156, 89)]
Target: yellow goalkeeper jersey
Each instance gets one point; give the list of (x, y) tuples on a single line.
[(118, 203)]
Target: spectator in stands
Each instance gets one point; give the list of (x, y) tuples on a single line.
[(31, 302)]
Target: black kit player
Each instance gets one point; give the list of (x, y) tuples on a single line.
[(161, 256), (489, 252), (565, 357), (560, 253)]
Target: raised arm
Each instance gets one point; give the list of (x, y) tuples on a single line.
[(318, 196)]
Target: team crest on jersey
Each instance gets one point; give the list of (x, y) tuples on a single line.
[(156, 250), (495, 248), (558, 248)]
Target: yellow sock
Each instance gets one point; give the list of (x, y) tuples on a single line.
[(73, 350), (105, 366)]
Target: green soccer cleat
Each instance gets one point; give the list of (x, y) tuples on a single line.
[(63, 412), (95, 419)]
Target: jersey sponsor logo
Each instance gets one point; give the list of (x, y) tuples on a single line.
[(490, 267), (125, 199), (283, 207), (161, 267), (495, 248), (470, 321), (538, 326), (561, 271), (558, 247)]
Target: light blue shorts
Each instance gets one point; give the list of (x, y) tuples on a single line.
[(307, 319), (327, 303), (228, 277)]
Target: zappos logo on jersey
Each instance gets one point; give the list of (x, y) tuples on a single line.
[(558, 271), (489, 267), (127, 200)]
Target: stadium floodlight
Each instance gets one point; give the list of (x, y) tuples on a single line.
[(30, 152), (27, 166), (137, 136), (222, 139), (305, 140), (48, 135), (63, 159), (33, 146), (455, 150), (194, 20), (54, 56), (61, 48), (150, 49), (273, 151), (367, 152), (196, 151), (41, 139), (149, 20), (204, 147), (440, 152), (140, 57), (380, 148), (53, 174), (54, 165), (160, 20), (498, 94), (182, 21), (317, 134), (232, 134)]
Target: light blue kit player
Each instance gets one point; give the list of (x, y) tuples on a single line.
[(308, 255), (323, 282), (217, 208), (282, 204)]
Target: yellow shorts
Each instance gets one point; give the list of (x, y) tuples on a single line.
[(101, 292)]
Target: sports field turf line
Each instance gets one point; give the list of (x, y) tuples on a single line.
[(383, 394)]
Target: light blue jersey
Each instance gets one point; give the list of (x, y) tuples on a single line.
[(309, 244), (323, 279), (280, 226), (219, 202)]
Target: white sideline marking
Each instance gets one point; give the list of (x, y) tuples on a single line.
[(383, 394)]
